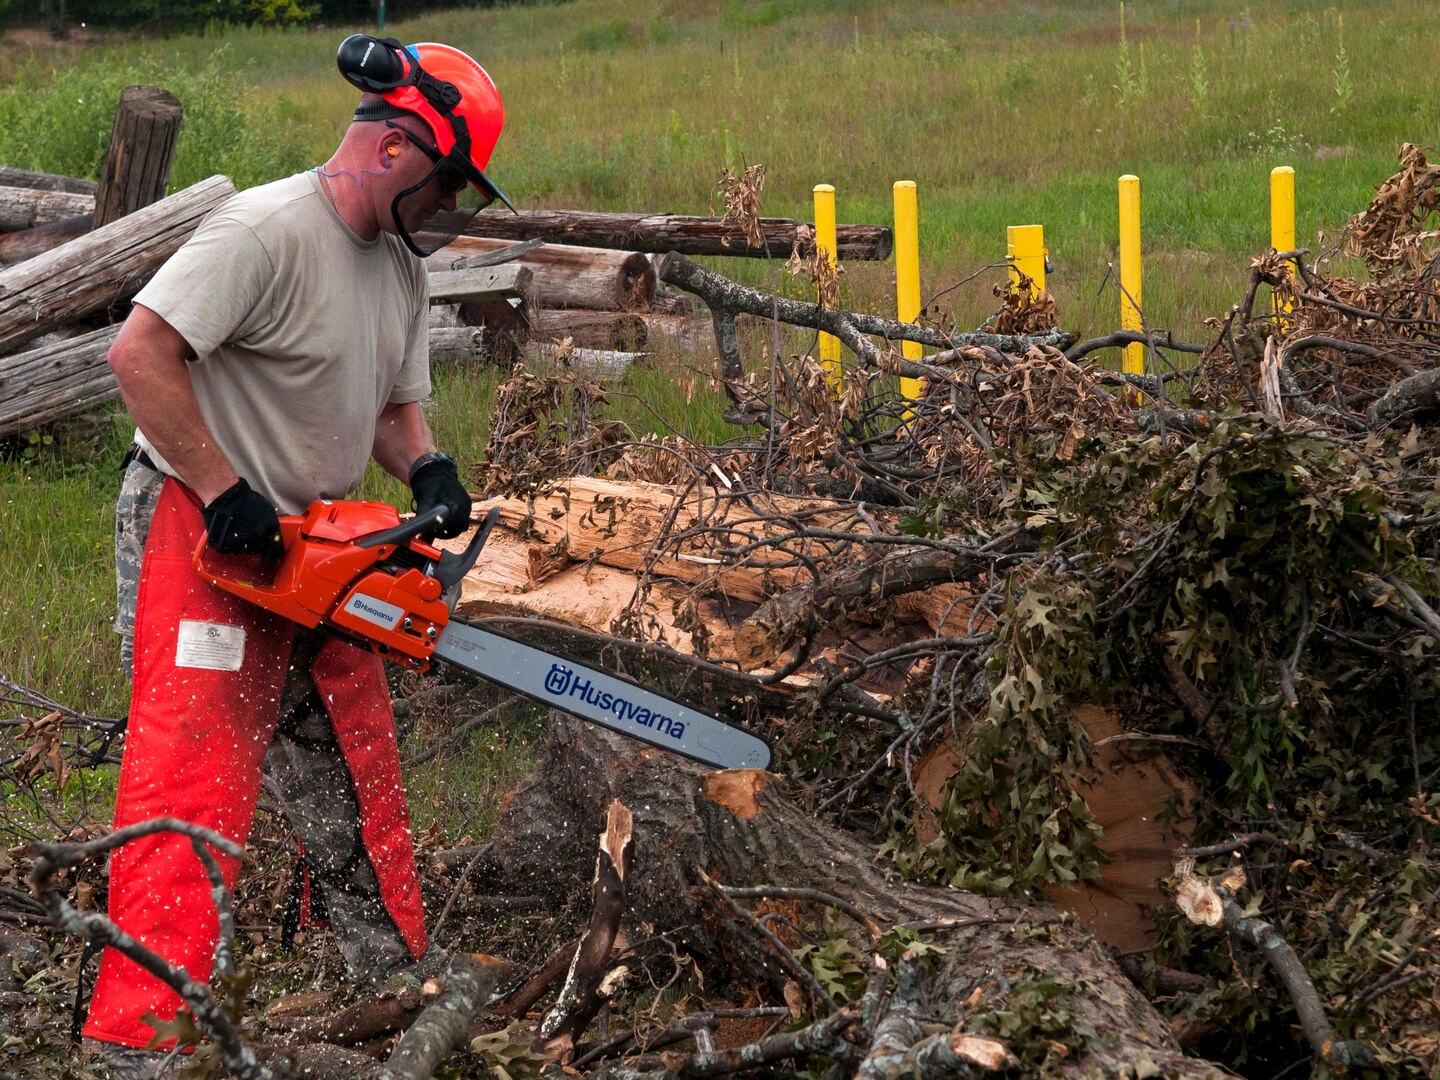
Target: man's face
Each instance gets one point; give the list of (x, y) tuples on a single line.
[(418, 162)]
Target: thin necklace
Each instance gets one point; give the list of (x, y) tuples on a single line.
[(325, 183)]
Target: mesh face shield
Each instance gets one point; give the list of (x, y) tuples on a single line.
[(455, 98), (430, 214)]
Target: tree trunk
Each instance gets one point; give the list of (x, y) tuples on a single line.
[(570, 277), (16, 247), (673, 232), (25, 208), (740, 828), (41, 181), (142, 146), (45, 384), (106, 267)]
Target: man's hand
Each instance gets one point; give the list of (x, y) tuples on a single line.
[(434, 481), (241, 521)]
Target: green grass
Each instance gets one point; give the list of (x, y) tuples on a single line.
[(1002, 113)]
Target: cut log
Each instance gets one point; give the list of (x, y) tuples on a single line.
[(506, 324), (142, 146), (633, 330), (741, 828), (60, 379), (1140, 801), (672, 232), (106, 267), (457, 344), (522, 579), (16, 247), (468, 983), (25, 208), (681, 333), (479, 285), (596, 364), (619, 523), (42, 181), (590, 329), (569, 277)]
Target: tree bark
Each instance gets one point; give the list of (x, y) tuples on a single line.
[(590, 329), (106, 267), (794, 616), (1417, 394), (569, 277), (673, 232), (740, 827), (25, 208), (16, 247), (142, 147), (581, 997), (48, 383), (41, 181), (468, 984), (458, 344)]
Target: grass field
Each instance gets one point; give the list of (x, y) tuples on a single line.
[(1003, 113)]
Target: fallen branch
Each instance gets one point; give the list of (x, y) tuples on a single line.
[(467, 985), (92, 926)]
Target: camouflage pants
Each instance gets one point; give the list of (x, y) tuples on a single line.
[(139, 492), (304, 770)]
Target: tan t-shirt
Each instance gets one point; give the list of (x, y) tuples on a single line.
[(302, 333)]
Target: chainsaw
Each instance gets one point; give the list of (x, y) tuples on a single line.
[(355, 569)]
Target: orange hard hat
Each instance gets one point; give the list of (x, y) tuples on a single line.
[(441, 85)]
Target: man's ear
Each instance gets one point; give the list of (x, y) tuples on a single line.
[(389, 148)]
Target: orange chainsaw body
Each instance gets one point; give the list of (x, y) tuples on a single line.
[(382, 595)]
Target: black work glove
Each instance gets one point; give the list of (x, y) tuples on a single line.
[(434, 481), (241, 521)]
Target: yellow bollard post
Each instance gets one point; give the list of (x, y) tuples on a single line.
[(825, 241), (1025, 252), (907, 274), (1282, 221), (1130, 298)]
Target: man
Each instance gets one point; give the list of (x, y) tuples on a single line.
[(281, 348)]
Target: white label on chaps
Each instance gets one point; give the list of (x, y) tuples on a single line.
[(213, 646)]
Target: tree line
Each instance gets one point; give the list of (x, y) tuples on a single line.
[(179, 16)]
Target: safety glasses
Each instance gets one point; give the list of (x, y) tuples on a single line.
[(451, 176)]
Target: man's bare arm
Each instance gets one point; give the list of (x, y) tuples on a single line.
[(401, 436), (149, 361)]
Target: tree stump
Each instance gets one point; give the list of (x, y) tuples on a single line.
[(142, 146), (740, 828)]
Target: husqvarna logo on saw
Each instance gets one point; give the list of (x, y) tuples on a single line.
[(376, 611), (561, 682)]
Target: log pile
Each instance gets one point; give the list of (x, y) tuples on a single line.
[(70, 266)]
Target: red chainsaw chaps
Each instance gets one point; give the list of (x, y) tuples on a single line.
[(193, 750)]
